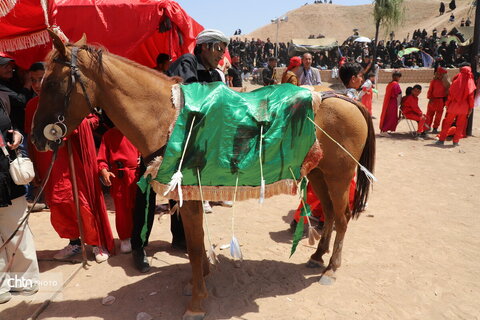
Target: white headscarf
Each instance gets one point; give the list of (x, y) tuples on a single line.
[(211, 36)]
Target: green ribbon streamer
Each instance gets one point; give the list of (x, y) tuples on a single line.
[(307, 211), (145, 186)]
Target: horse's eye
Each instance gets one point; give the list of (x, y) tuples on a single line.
[(51, 86)]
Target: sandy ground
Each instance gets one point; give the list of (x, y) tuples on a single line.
[(412, 255)]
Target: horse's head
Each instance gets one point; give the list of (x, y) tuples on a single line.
[(67, 93)]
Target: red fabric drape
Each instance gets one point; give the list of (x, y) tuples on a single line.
[(129, 28), (25, 18)]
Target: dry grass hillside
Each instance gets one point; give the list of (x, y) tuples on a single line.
[(337, 21)]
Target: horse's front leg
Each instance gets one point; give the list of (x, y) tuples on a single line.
[(192, 217)]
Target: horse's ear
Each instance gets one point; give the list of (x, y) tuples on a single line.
[(82, 41), (57, 42)]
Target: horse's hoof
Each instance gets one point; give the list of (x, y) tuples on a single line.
[(190, 315), (314, 264), (327, 278), (187, 290)]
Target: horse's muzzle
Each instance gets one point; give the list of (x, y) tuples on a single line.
[(42, 144)]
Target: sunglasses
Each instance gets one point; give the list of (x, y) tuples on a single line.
[(216, 47)]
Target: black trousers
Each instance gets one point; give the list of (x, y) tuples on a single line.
[(139, 219)]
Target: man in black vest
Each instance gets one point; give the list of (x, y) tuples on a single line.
[(197, 67)]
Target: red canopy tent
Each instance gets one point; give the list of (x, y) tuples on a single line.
[(135, 29)]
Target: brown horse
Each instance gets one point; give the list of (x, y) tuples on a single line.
[(138, 101)]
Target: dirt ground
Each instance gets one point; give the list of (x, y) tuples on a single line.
[(412, 255)]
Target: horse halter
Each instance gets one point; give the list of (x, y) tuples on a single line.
[(57, 131)]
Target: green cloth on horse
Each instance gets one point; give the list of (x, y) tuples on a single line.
[(225, 139)]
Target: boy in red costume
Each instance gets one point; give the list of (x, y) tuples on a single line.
[(117, 165), (437, 95)]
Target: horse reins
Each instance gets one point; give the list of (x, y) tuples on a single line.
[(75, 76)]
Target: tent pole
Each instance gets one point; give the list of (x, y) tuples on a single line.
[(474, 58)]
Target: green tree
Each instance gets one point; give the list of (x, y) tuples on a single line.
[(388, 14)]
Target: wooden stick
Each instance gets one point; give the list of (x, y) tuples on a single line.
[(77, 202), (46, 303)]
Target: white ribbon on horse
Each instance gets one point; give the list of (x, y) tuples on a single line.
[(176, 181), (178, 176)]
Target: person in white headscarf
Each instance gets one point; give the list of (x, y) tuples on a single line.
[(198, 67), (201, 66)]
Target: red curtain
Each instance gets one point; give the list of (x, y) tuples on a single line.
[(129, 28)]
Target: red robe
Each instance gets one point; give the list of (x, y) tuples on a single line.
[(316, 206), (412, 111), (118, 155), (59, 189), (389, 116), (459, 103), (367, 98), (436, 95)]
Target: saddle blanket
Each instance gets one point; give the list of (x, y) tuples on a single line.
[(240, 136)]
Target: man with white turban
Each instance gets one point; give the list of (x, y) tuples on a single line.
[(201, 66), (198, 67)]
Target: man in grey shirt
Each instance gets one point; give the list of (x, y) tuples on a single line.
[(308, 75)]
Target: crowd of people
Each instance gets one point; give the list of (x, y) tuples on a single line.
[(114, 161), (436, 48)]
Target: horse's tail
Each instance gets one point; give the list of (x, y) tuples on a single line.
[(367, 159)]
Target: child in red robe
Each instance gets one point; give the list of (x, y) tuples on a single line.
[(367, 92), (437, 95), (412, 111), (117, 165)]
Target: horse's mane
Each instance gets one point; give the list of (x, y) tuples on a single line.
[(96, 53)]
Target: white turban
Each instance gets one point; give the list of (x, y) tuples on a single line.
[(211, 36)]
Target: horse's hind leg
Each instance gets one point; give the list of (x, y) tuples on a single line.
[(339, 191), (192, 219), (320, 188)]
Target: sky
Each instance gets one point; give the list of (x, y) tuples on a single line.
[(247, 15)]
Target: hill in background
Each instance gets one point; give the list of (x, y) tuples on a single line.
[(338, 21)]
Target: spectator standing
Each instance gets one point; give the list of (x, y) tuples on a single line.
[(268, 74), (118, 167), (308, 75), (442, 8), (459, 104), (59, 191), (18, 97), (352, 78), (437, 95), (163, 62), (452, 5), (19, 256), (235, 73), (391, 101), (289, 76), (366, 95)]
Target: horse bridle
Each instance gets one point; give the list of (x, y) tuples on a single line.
[(57, 131)]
